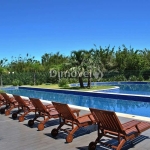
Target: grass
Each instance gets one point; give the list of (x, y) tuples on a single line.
[(55, 86), (1, 91)]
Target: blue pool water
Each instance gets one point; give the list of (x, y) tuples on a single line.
[(137, 88), (117, 105)]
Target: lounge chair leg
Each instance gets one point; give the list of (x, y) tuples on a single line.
[(21, 119), (121, 144), (74, 130), (22, 116), (69, 138), (7, 112), (40, 126)]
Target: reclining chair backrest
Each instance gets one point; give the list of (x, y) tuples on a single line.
[(38, 105), (64, 110), (7, 98), (1, 97), (20, 100), (108, 120)]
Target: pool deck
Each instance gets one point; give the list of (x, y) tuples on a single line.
[(16, 135)]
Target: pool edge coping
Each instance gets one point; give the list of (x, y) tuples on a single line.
[(142, 118), (131, 116)]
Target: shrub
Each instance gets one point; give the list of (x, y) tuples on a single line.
[(31, 83), (140, 78), (120, 78), (116, 78), (36, 83), (20, 83), (103, 80), (73, 80), (63, 83), (39, 82), (133, 78), (47, 83), (15, 82)]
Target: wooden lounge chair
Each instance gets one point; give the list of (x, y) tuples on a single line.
[(70, 119), (47, 112), (2, 102), (11, 103), (26, 106), (110, 126)]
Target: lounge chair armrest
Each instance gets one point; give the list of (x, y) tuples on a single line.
[(88, 115), (48, 106), (130, 124), (27, 101), (12, 99), (86, 118), (74, 110)]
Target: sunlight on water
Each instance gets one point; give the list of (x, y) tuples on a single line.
[(117, 105)]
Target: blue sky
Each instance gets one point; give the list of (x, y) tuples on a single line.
[(37, 27)]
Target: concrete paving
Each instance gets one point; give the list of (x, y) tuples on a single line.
[(16, 135)]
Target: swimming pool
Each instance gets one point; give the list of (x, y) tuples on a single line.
[(137, 88), (94, 100)]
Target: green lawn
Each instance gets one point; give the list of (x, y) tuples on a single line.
[(55, 86)]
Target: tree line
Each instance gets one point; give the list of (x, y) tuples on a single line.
[(97, 64)]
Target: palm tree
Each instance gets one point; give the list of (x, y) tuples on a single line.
[(78, 65), (89, 65)]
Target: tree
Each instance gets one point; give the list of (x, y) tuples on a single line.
[(2, 69), (77, 64), (52, 60), (103, 61), (35, 67), (89, 65)]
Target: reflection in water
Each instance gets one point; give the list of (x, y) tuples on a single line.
[(140, 89), (117, 105)]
